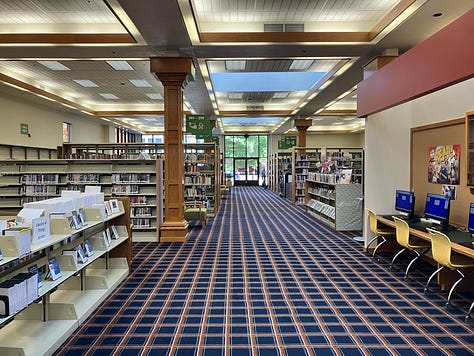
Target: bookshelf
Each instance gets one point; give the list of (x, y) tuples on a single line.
[(60, 306), (337, 204), (202, 175), (140, 180), (283, 164), (304, 162)]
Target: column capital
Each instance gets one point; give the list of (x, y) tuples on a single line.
[(302, 124), (172, 70)]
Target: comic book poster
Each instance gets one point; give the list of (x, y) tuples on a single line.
[(443, 164)]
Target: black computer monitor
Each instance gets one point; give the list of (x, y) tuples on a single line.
[(437, 207), (405, 202), (470, 226)]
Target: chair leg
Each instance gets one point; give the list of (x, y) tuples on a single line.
[(470, 311), (396, 256), (418, 255), (432, 276), (454, 286), (373, 240), (384, 240)]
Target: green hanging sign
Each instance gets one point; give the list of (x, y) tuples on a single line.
[(198, 125), (290, 141)]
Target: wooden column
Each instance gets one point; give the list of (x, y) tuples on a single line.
[(172, 72), (302, 125)]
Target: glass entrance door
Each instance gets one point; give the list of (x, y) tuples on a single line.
[(246, 171)]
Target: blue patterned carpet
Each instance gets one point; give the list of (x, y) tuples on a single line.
[(265, 278)]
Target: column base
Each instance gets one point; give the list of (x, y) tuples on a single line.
[(174, 231)]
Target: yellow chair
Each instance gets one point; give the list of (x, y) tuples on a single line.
[(418, 246), (379, 233), (441, 250)]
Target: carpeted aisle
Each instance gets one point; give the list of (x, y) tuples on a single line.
[(265, 278)]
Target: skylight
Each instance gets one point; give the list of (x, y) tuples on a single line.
[(108, 96), (120, 65), (140, 83), (265, 81), (54, 65), (86, 83)]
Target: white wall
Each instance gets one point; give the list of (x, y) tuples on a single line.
[(387, 141), (45, 124)]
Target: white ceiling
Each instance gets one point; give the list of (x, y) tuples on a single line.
[(339, 38)]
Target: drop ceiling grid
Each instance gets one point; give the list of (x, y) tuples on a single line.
[(287, 11), (55, 12)]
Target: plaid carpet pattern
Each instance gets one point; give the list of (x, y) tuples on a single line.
[(265, 278)]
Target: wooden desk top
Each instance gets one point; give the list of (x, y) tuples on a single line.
[(469, 252)]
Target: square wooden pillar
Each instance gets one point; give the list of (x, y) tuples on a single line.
[(173, 73)]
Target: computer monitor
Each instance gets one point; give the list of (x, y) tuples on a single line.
[(405, 202), (470, 226), (437, 207)]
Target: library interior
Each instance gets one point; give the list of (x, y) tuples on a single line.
[(216, 177)]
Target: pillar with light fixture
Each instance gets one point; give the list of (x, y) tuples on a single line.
[(173, 73)]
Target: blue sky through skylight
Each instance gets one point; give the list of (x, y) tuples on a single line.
[(265, 81)]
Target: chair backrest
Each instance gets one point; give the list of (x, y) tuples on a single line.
[(402, 232), (440, 247), (372, 221)]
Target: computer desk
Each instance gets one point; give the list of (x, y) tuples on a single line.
[(447, 277), (456, 247)]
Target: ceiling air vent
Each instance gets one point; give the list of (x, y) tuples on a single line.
[(279, 27), (294, 27), (273, 27), (254, 107)]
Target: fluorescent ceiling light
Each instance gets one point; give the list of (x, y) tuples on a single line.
[(280, 95), (54, 65), (154, 96), (235, 95), (235, 65), (140, 83), (108, 96), (301, 64), (120, 65), (86, 83)]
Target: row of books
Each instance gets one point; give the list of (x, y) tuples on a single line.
[(17, 293), (131, 178), (40, 190), (138, 200), (198, 168), (199, 179), (83, 178), (126, 189), (140, 222), (140, 212), (199, 157), (323, 192), (342, 177), (322, 208), (40, 178), (90, 155)]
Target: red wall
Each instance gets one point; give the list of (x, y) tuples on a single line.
[(443, 59)]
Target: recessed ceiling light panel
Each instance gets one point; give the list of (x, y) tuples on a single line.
[(109, 96), (234, 65), (140, 83), (54, 65), (120, 65), (86, 83)]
